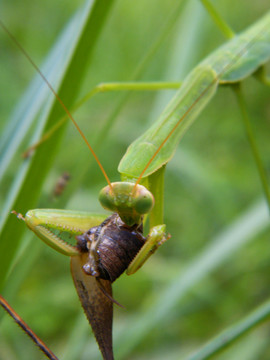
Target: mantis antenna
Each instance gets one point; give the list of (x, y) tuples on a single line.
[(59, 100)]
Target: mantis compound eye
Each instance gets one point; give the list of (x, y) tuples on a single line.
[(143, 200)]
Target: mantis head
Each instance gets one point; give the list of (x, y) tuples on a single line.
[(129, 201)]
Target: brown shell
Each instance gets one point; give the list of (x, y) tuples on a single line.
[(116, 248)]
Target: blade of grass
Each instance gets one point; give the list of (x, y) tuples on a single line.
[(228, 336), (252, 142), (32, 100), (87, 28), (243, 230), (219, 21)]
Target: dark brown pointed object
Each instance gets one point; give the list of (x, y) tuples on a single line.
[(106, 251), (97, 306)]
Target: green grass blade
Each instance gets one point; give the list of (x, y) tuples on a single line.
[(228, 336), (219, 21), (86, 27), (221, 248), (252, 142), (27, 109)]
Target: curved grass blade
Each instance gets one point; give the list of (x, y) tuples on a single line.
[(229, 336), (34, 98), (89, 24)]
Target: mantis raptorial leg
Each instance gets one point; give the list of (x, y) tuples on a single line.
[(205, 72)]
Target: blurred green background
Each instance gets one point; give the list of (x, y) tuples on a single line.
[(174, 304)]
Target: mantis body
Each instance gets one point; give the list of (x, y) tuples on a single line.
[(145, 159)]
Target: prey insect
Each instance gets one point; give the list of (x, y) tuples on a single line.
[(102, 244)]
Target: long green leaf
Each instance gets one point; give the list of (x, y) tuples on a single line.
[(228, 336), (232, 62), (86, 29)]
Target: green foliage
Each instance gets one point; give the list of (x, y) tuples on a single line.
[(214, 269)]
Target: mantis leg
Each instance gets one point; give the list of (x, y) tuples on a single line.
[(103, 87), (46, 222), (157, 235), (154, 240)]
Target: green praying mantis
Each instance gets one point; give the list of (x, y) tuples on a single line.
[(143, 163)]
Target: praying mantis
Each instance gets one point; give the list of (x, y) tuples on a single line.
[(203, 79)]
